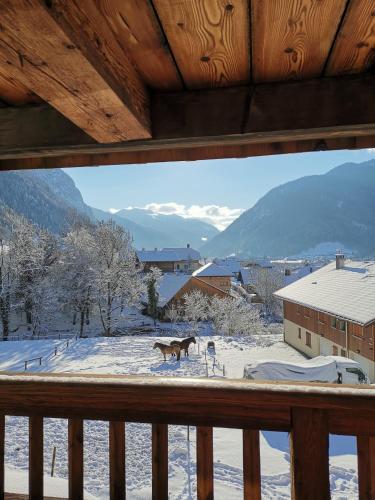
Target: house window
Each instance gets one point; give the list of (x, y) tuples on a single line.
[(321, 318), (299, 333), (307, 312), (343, 353), (341, 325), (357, 330), (333, 322), (335, 351), (308, 339)]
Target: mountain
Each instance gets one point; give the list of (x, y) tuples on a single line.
[(307, 215), (50, 199), (177, 230)]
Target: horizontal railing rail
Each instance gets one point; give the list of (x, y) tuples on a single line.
[(308, 411)]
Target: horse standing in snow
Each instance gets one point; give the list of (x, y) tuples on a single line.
[(184, 344), (168, 349)]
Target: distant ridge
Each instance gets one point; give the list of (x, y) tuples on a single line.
[(308, 214)]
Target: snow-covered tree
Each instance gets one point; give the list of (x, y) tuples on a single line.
[(235, 317), (173, 314), (152, 280), (266, 282), (7, 285), (196, 308), (117, 273), (76, 275)]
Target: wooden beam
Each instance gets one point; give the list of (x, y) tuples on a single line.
[(236, 122), (117, 483), (160, 462), (35, 458), (64, 70), (75, 458), (205, 464)]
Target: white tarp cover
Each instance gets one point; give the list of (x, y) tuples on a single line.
[(319, 369)]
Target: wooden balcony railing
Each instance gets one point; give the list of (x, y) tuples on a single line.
[(308, 411)]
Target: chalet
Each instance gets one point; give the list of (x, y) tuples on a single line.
[(171, 260), (114, 83), (174, 286), (332, 311), (215, 275)]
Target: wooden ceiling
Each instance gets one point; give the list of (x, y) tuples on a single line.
[(86, 82)]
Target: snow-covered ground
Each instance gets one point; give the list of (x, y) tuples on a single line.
[(134, 355)]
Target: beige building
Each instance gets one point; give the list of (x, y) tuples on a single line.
[(332, 312)]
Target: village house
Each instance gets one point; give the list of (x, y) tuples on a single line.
[(171, 260), (173, 287), (332, 312), (217, 276)]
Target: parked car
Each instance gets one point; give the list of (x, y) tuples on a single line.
[(330, 369)]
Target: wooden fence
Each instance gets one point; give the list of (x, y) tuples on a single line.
[(308, 411)]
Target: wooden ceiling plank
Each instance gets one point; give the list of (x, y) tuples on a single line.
[(209, 40), (57, 69), (140, 35), (354, 49), (291, 39)]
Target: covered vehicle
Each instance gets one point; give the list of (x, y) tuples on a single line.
[(333, 369)]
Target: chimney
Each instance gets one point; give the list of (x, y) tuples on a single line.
[(340, 260), (188, 245)]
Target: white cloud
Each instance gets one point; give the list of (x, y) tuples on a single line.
[(218, 216), (114, 210)]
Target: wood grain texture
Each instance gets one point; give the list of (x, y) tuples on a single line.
[(309, 455), (117, 484), (354, 49), (35, 458), (291, 39), (209, 40), (251, 465), (366, 467), (205, 465), (75, 458), (138, 31), (159, 462), (57, 69)]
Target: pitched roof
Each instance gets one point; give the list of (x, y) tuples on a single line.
[(245, 276), (212, 269), (169, 285), (348, 292), (168, 255)]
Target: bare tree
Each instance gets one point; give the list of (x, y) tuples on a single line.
[(196, 308), (266, 282)]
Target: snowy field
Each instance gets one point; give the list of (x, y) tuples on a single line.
[(134, 355)]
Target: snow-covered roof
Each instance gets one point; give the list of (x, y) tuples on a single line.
[(245, 276), (231, 263), (169, 285), (348, 292), (168, 255), (212, 269), (184, 253)]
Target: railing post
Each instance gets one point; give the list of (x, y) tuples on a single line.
[(159, 461), (117, 484), (2, 455), (251, 465), (366, 467), (205, 466), (35, 458), (75, 438), (309, 454)]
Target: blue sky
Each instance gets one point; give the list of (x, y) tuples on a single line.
[(214, 190)]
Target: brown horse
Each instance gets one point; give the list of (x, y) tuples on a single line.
[(184, 344), (168, 349)]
